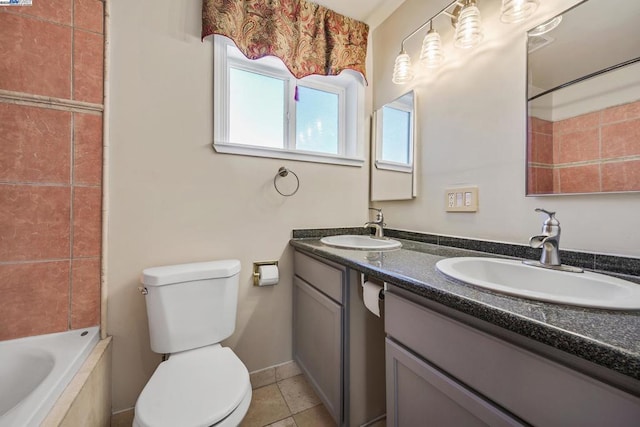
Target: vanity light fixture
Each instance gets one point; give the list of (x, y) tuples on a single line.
[(468, 23), (431, 55), (402, 72), (546, 26), (514, 11), (465, 17)]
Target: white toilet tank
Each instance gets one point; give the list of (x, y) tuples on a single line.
[(191, 305)]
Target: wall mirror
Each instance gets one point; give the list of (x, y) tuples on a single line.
[(393, 144), (583, 97)]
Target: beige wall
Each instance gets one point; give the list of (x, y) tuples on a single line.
[(173, 200), (472, 121)]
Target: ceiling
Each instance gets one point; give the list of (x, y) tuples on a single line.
[(373, 12), (591, 37)]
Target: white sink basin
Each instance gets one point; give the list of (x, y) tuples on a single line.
[(515, 278), (360, 242)]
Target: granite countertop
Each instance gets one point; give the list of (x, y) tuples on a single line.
[(607, 338)]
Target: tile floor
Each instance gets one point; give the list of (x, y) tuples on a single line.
[(282, 397)]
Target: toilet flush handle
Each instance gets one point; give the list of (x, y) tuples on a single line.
[(142, 290)]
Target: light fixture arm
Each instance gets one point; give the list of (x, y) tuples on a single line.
[(421, 27)]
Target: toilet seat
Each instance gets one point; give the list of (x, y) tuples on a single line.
[(194, 388)]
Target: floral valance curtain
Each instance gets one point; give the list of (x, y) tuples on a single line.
[(308, 38)]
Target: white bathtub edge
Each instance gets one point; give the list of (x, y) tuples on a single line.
[(68, 396), (69, 349)]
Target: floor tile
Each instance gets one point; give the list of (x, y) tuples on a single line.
[(287, 422), (262, 377), (267, 406), (287, 370), (298, 394), (317, 416)]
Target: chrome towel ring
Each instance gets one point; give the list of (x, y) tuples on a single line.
[(283, 172)]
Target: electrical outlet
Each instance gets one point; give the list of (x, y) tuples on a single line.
[(463, 199)]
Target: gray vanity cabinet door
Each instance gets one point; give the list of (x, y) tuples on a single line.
[(318, 342), (418, 394)]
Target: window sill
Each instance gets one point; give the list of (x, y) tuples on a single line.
[(303, 156), (393, 166)]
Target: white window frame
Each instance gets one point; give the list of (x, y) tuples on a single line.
[(351, 120), (379, 119)]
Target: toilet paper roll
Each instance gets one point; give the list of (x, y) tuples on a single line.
[(268, 275), (371, 296)]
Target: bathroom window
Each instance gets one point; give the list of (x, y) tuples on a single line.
[(260, 109)]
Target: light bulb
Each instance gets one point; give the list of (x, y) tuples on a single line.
[(402, 72), (469, 27), (517, 10), (431, 55)]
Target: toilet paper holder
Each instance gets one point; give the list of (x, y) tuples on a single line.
[(364, 278), (256, 270)]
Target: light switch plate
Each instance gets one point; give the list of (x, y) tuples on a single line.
[(461, 199)]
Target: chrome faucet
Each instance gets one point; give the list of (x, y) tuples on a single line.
[(378, 224), (549, 241)]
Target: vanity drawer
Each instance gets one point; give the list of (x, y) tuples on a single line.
[(537, 390), (324, 277)]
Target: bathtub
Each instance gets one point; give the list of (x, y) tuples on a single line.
[(35, 370)]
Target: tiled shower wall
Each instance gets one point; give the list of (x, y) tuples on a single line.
[(598, 151), (51, 103)]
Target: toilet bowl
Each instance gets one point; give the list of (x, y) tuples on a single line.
[(204, 387), (191, 308)]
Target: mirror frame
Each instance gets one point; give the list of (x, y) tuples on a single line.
[(393, 180)]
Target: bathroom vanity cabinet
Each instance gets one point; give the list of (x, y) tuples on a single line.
[(453, 371), (337, 343)]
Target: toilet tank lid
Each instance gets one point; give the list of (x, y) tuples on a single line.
[(170, 274)]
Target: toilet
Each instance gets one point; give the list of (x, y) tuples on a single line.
[(191, 308)]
